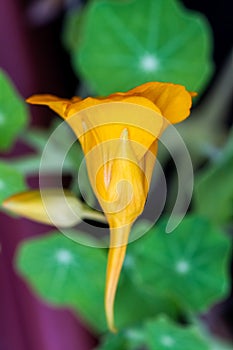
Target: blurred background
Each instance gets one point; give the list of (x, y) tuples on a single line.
[(38, 50)]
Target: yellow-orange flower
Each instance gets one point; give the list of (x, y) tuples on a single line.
[(119, 136)]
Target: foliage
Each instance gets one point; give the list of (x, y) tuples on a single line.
[(166, 273), (162, 41), (11, 181), (188, 266), (13, 113), (157, 334), (217, 205), (166, 278), (66, 273)]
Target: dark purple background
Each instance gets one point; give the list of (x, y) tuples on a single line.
[(37, 63), (34, 65)]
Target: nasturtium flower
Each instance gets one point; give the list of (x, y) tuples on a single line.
[(51, 206), (119, 137)]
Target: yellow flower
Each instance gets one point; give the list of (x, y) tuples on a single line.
[(119, 136), (52, 207)]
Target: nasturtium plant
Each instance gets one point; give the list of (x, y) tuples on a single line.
[(71, 26), (157, 334), (214, 198), (188, 266), (139, 41), (131, 294), (66, 274), (119, 150), (13, 112), (163, 334), (11, 181)]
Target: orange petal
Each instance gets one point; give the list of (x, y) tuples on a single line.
[(91, 101), (116, 255), (57, 104), (148, 161), (173, 100), (104, 121), (78, 106)]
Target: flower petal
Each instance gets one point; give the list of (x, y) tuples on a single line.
[(148, 161), (119, 136), (120, 184), (91, 101), (104, 122), (116, 256), (51, 206), (173, 100), (57, 104)]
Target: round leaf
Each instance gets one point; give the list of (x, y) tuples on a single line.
[(66, 273), (11, 181), (122, 44), (130, 294), (162, 334), (157, 334), (188, 265), (13, 112)]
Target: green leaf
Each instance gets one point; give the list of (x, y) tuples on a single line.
[(66, 273), (128, 339), (130, 294), (132, 291), (157, 334), (13, 113), (11, 181), (188, 266), (70, 29), (213, 195), (116, 342), (162, 41), (162, 334)]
